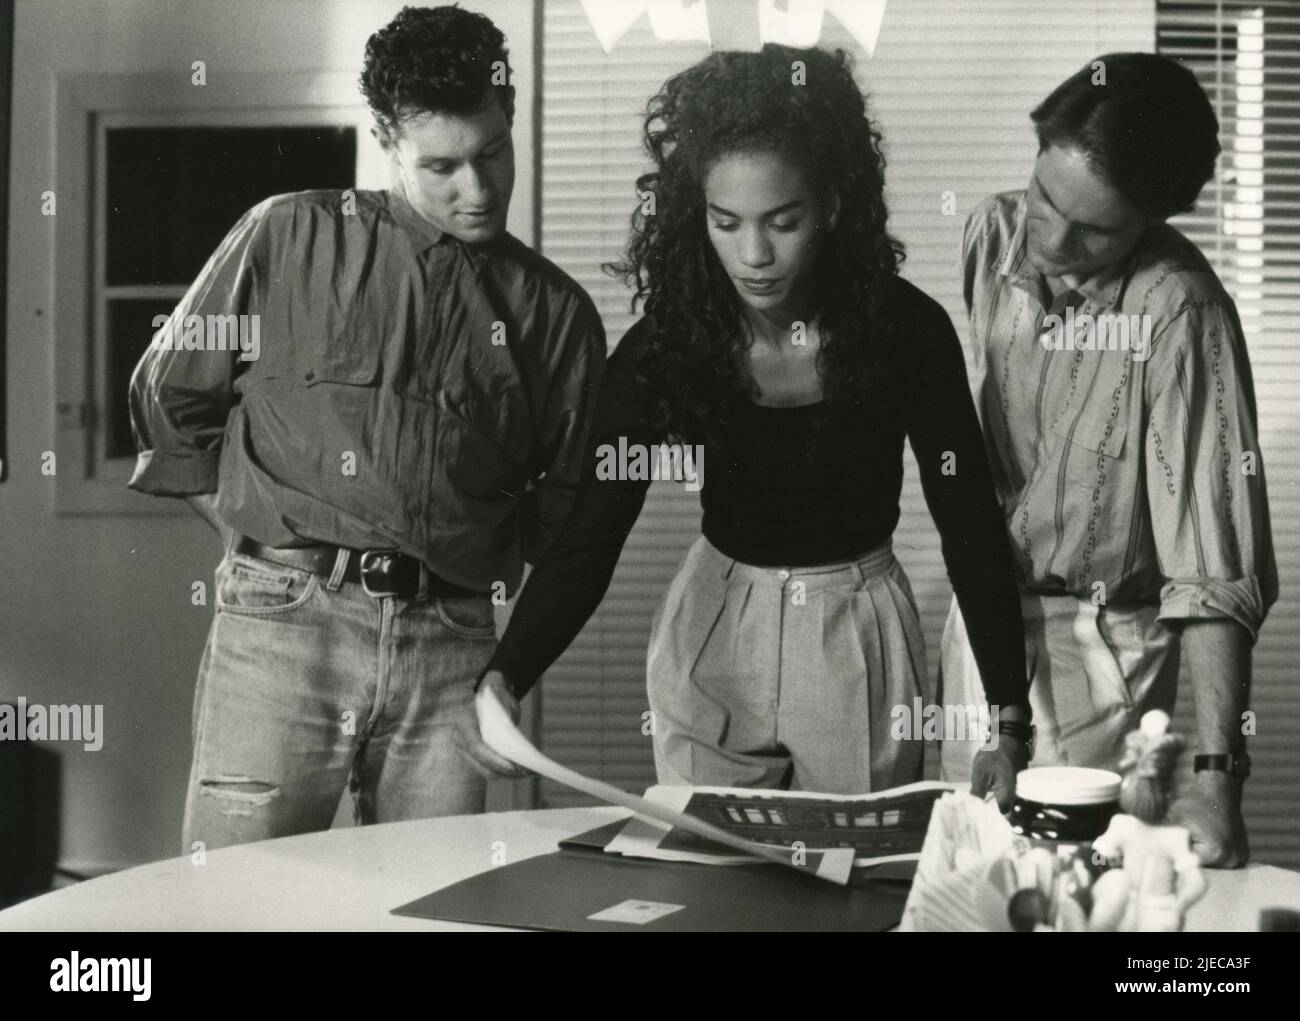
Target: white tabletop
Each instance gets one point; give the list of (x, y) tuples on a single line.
[(353, 878)]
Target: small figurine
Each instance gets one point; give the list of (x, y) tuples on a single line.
[(1147, 766), (1160, 877)]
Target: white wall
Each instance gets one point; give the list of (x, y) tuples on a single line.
[(96, 609)]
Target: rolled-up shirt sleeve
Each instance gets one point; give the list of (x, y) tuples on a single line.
[(1205, 472), (182, 391), (564, 426)]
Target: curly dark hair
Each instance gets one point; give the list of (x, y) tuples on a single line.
[(692, 370), (1145, 124), (436, 60)]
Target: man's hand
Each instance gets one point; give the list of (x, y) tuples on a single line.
[(995, 769), (1212, 814), (470, 741)]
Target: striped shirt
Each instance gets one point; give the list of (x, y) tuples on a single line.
[(1121, 426)]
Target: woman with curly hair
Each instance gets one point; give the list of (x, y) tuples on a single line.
[(779, 338)]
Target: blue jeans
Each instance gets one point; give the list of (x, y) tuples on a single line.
[(304, 691)]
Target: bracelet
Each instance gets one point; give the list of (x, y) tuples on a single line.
[(1022, 732)]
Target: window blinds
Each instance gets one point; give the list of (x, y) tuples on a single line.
[(594, 697), (1247, 57)]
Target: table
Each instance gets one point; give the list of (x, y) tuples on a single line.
[(349, 879)]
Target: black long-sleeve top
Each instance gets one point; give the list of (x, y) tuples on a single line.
[(797, 487)]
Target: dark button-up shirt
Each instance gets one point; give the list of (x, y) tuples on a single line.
[(410, 391), (1133, 473)]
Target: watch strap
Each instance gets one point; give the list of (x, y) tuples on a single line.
[(1237, 766)]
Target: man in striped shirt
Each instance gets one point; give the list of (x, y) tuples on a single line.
[(1119, 414)]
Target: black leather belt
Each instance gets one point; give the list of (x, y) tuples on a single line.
[(380, 572)]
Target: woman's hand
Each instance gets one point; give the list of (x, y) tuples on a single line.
[(995, 769), (470, 741)]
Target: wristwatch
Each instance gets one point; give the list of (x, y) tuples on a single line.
[(1236, 766)]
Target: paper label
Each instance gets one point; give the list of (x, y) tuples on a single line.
[(635, 912)]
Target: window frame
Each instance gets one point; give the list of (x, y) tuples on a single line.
[(87, 481)]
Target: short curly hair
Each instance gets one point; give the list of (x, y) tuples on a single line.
[(1144, 123), (436, 60)]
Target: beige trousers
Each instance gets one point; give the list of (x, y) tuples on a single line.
[(760, 677), (1094, 670)]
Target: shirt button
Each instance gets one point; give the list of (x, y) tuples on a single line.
[(783, 575), (309, 374)]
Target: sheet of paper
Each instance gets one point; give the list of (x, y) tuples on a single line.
[(502, 736), (641, 838), (646, 839)]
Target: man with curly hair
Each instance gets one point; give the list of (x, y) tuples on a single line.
[(408, 437), (1119, 416)]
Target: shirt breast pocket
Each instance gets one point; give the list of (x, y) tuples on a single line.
[(1092, 446), (329, 403), (350, 367), (351, 358)]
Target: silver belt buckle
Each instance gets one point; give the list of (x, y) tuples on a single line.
[(367, 559)]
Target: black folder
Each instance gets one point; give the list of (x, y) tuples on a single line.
[(564, 889)]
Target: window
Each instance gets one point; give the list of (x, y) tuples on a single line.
[(171, 192), (149, 190)]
